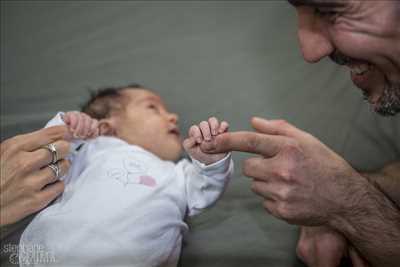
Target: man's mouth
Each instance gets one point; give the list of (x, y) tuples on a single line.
[(364, 76), (359, 69)]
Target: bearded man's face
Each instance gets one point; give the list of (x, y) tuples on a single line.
[(363, 35)]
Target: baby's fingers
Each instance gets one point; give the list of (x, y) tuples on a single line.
[(195, 132), (214, 125), (94, 128), (205, 130), (71, 119), (86, 124), (66, 119), (223, 127), (188, 143)]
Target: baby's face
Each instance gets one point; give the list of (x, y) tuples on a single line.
[(146, 122)]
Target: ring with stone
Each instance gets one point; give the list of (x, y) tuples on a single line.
[(56, 169), (53, 150)]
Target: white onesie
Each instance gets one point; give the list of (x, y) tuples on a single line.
[(122, 206)]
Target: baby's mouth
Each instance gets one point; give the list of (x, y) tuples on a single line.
[(174, 131)]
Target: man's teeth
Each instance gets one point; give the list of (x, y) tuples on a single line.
[(360, 69)]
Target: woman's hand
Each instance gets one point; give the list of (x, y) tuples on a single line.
[(27, 184)]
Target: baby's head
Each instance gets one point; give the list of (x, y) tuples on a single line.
[(137, 116)]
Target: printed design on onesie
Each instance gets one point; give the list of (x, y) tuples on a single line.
[(133, 172)]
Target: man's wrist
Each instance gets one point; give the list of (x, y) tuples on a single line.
[(355, 202), (365, 204)]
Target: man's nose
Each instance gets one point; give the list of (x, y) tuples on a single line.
[(315, 42)]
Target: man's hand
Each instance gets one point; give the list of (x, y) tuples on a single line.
[(301, 180), (205, 132), (81, 125), (321, 246)]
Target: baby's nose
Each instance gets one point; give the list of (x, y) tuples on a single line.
[(173, 118)]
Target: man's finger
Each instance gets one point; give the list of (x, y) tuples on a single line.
[(37, 139), (264, 190), (356, 259), (262, 144), (273, 127), (258, 168)]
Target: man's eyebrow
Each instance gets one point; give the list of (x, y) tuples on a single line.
[(316, 3), (300, 2)]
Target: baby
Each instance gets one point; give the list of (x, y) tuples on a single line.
[(125, 199)]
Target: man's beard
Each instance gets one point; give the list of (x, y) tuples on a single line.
[(389, 102)]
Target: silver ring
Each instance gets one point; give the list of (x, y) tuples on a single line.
[(56, 169), (53, 150)]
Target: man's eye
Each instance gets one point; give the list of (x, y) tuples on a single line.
[(326, 13), (323, 13)]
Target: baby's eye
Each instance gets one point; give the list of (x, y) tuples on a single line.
[(153, 107)]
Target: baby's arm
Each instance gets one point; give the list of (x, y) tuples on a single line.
[(81, 127), (79, 124), (208, 175)]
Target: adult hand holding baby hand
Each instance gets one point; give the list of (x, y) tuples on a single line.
[(301, 180), (204, 133), (81, 125)]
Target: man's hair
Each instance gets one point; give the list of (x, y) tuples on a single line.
[(104, 101)]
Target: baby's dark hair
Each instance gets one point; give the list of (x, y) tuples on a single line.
[(104, 101)]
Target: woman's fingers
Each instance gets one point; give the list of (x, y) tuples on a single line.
[(41, 157), (48, 194), (46, 175), (35, 140)]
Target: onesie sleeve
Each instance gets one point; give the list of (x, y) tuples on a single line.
[(204, 184)]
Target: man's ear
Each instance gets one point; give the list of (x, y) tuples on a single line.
[(107, 127)]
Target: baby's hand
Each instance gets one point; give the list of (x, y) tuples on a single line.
[(81, 125), (206, 131)]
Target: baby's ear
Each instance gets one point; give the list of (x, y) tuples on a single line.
[(106, 127)]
